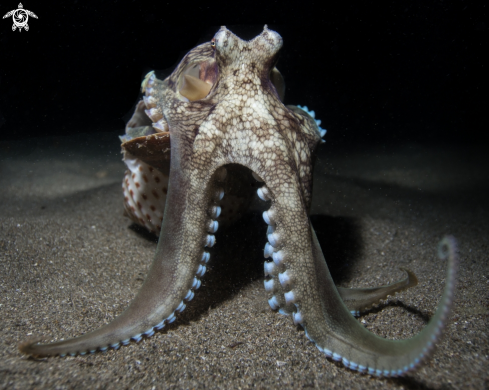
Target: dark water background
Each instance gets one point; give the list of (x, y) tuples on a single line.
[(401, 88), (378, 74)]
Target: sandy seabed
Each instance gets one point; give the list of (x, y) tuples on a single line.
[(71, 262)]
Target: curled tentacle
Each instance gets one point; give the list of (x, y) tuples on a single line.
[(306, 283), (358, 300)]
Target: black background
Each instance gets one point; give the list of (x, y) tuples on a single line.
[(381, 73)]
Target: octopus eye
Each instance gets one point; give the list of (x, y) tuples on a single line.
[(213, 42), (197, 80), (193, 88)]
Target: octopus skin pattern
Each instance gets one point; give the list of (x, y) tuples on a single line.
[(215, 119)]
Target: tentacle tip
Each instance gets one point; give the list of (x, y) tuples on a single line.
[(28, 347), (412, 278)]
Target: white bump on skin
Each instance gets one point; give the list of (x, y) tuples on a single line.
[(269, 268), (290, 298), (278, 257), (273, 302), (297, 317), (210, 241), (284, 279), (274, 239), (268, 285), (268, 251)]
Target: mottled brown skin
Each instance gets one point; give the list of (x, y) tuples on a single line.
[(243, 121)]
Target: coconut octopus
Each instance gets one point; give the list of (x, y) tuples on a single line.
[(195, 137)]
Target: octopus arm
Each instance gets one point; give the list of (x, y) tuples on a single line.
[(175, 274), (179, 263), (341, 337), (358, 300), (299, 272)]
